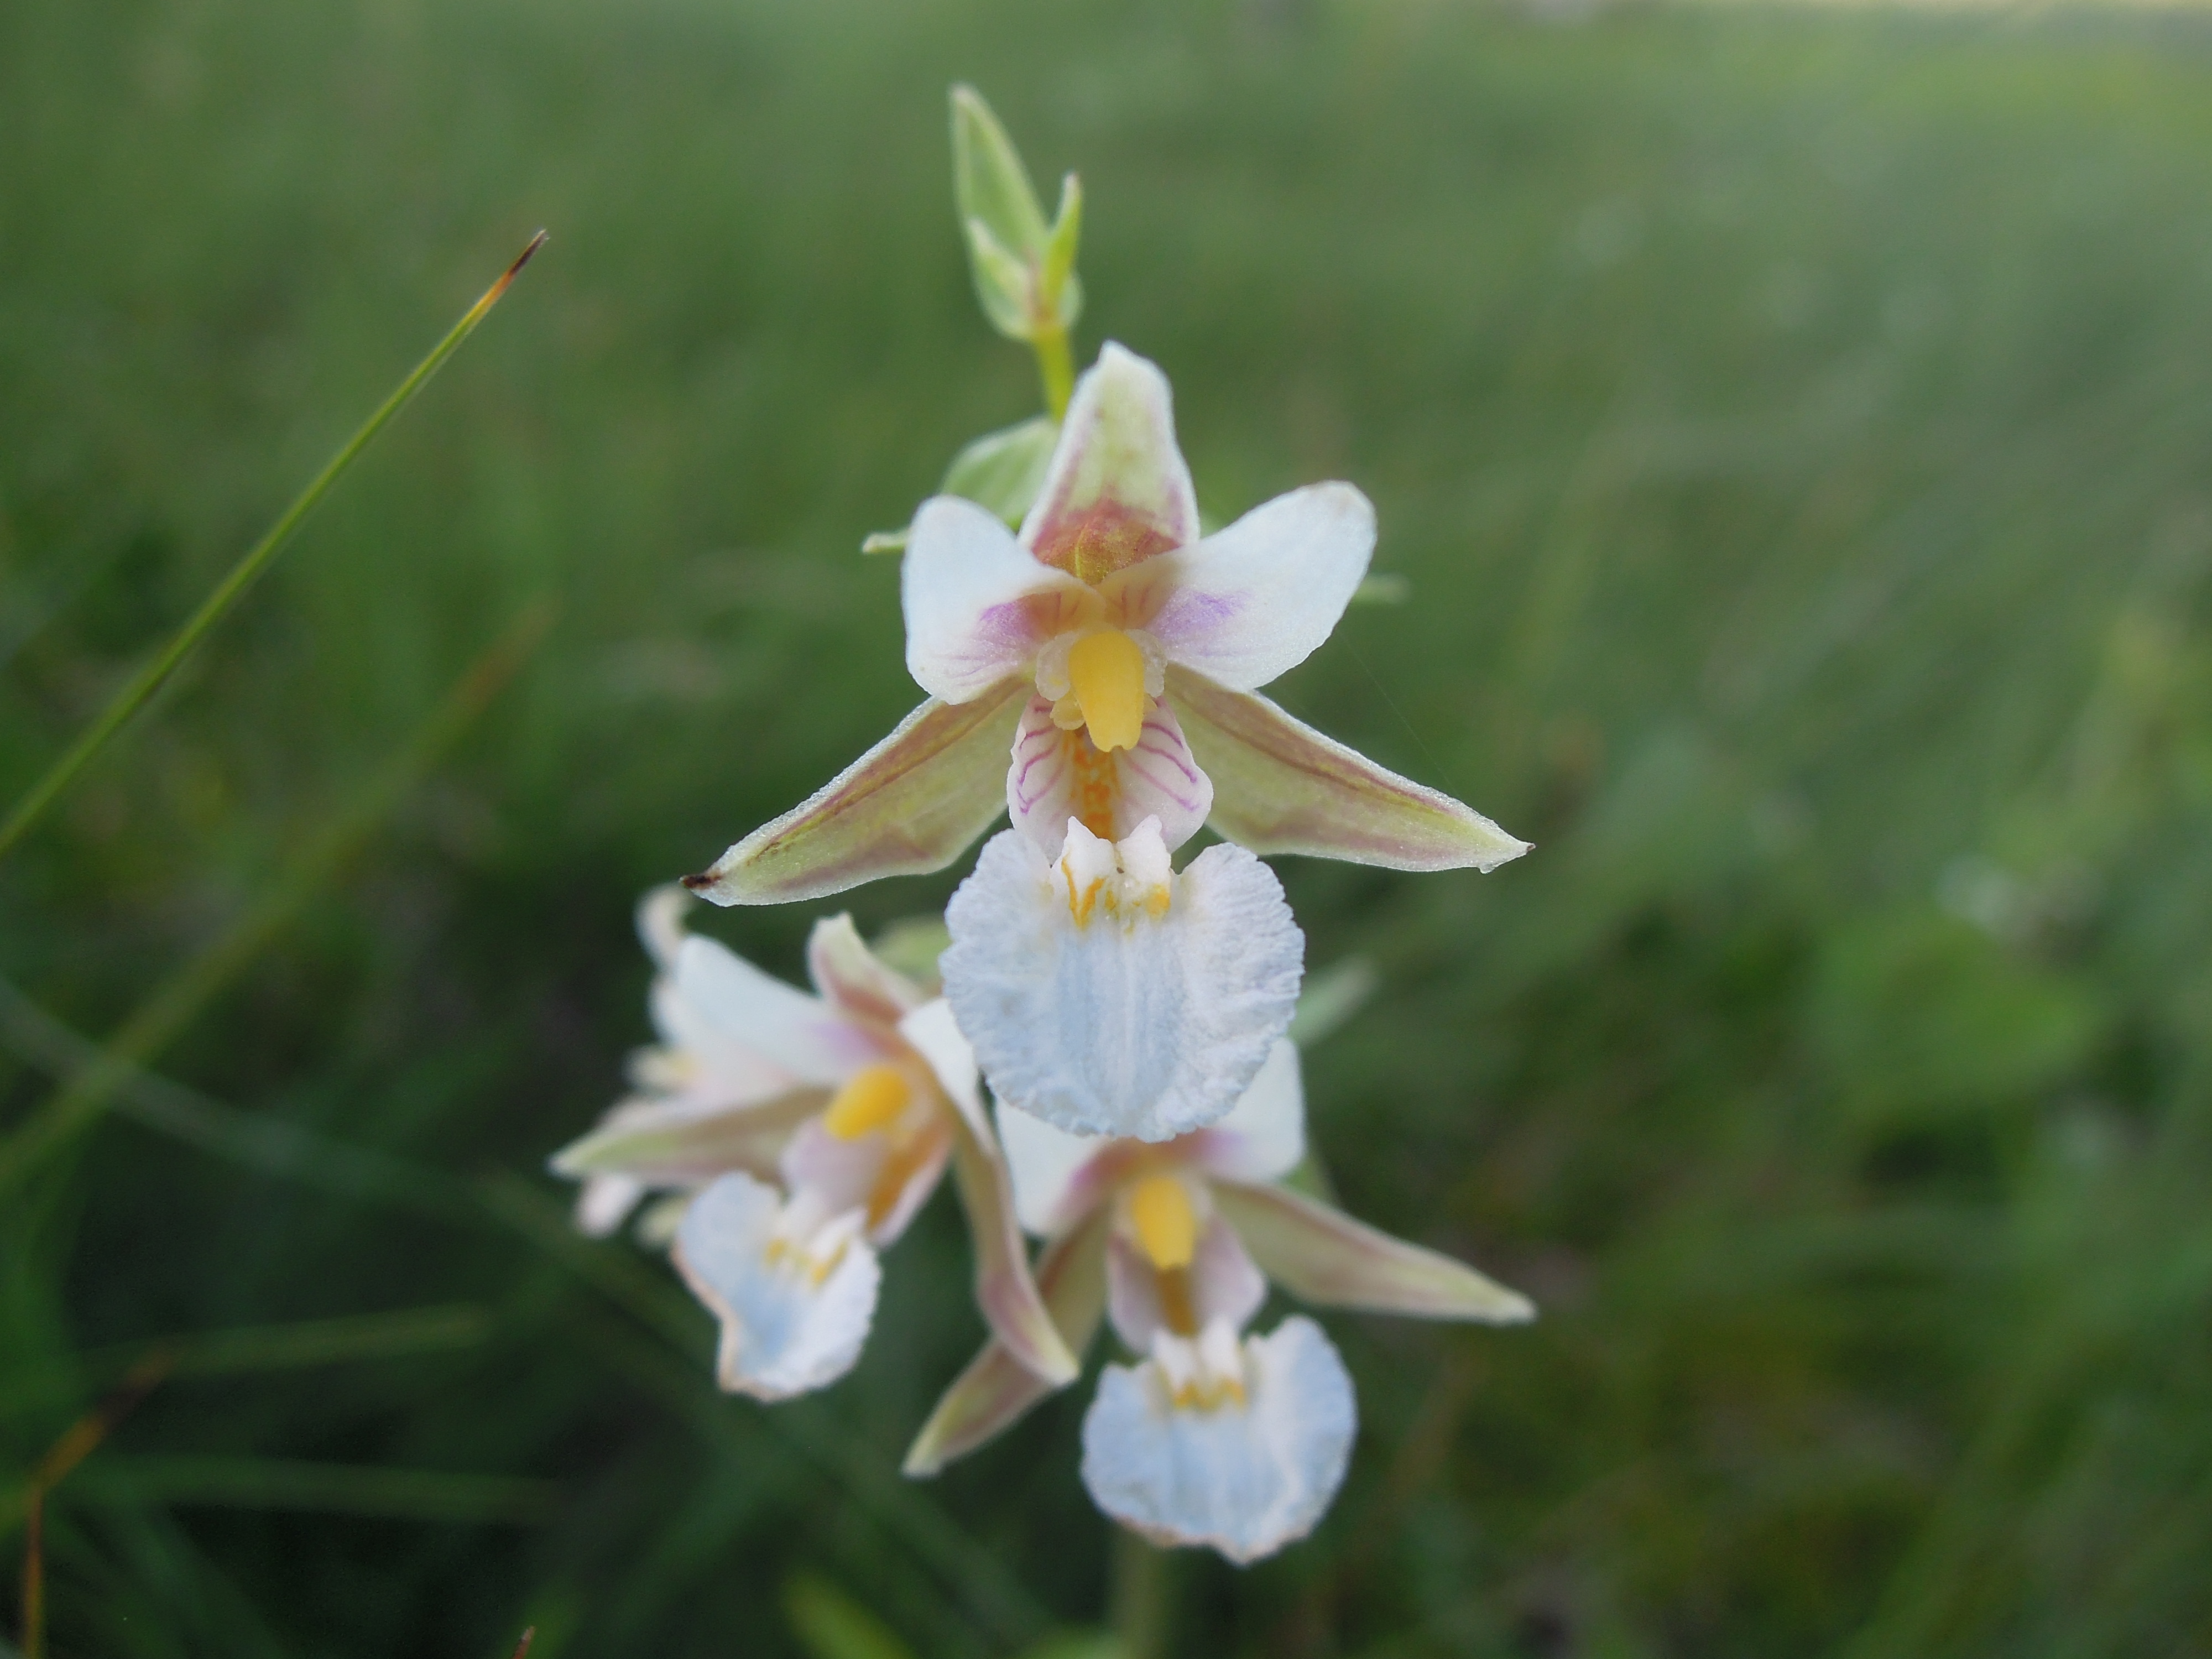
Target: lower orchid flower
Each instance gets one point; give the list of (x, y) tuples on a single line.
[(1107, 993), (803, 1133), (1213, 1437)]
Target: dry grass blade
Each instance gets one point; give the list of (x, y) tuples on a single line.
[(76, 1443)]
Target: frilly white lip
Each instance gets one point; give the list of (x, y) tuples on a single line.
[(795, 1293), (1107, 995), (1242, 1476)]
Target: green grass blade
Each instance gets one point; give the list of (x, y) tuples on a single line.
[(149, 679), (179, 1000), (831, 1624), (400, 1333), (253, 1140), (256, 1483)]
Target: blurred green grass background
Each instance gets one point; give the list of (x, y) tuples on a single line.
[(1793, 429)]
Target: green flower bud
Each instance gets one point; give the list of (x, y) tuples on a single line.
[(1024, 269)]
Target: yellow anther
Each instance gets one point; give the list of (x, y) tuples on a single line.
[(871, 1098), (1167, 1226), (1106, 671)]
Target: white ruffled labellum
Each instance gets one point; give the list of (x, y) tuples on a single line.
[(1241, 1449), (795, 1291), (1107, 994)]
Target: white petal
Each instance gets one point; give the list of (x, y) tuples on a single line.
[(802, 1034), (699, 1063), (977, 605), (660, 923), (1255, 600), (1057, 775), (1224, 1285), (1245, 1480), (1127, 1025), (931, 1032), (785, 1331), (1117, 491), (1264, 1136), (605, 1203), (1053, 1177)]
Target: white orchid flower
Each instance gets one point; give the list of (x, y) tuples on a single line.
[(1107, 993), (808, 1129), (1117, 652), (1213, 1437)]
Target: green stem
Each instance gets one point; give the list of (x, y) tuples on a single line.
[(1057, 367), (178, 999), (149, 679), (1143, 1600)]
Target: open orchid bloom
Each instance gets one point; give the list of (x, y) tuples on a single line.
[(811, 1129), (1213, 1437), (1118, 654), (1107, 993)]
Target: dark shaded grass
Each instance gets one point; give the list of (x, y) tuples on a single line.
[(1793, 429)]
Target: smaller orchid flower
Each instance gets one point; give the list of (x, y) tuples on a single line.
[(806, 1131), (1107, 993), (1212, 1437), (1117, 652)]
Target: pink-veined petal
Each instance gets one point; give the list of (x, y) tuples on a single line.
[(1256, 599), (997, 1389), (1117, 492), (1223, 1283), (847, 973), (1264, 1136), (1057, 775), (1281, 787), (910, 805), (1322, 1255), (977, 604)]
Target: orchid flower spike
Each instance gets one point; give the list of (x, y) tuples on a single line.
[(1117, 653), (804, 1131), (1212, 1437)]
